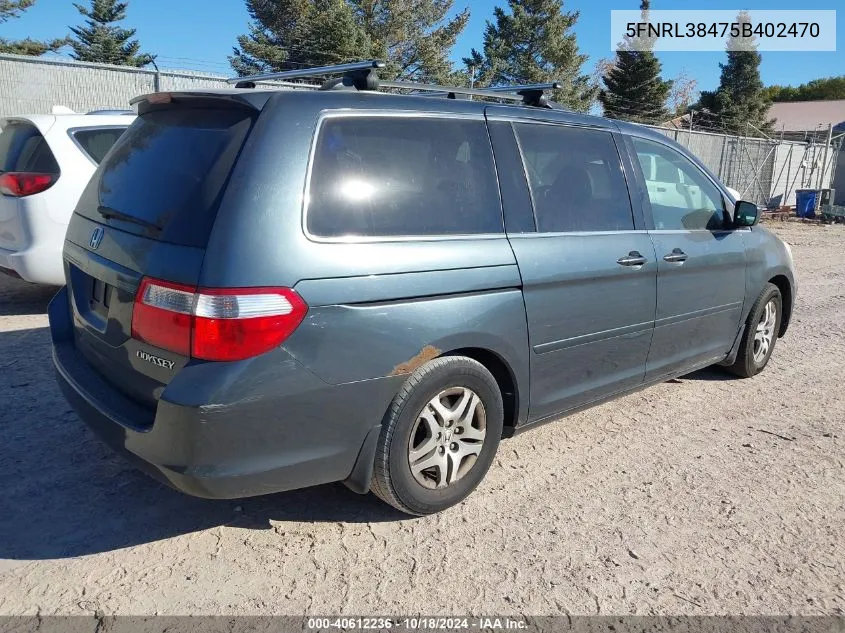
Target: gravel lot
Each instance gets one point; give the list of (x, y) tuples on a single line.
[(704, 495)]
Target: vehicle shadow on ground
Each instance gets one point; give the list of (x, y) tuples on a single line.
[(713, 373), (20, 297), (66, 494)]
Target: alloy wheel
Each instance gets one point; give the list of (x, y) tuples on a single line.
[(447, 437), (765, 332)]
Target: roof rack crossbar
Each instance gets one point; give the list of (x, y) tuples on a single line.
[(449, 90), (310, 72)]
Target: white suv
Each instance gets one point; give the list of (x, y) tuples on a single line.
[(46, 160)]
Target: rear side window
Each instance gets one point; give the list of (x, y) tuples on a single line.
[(576, 179), (24, 149), (383, 176), (166, 175), (96, 143)]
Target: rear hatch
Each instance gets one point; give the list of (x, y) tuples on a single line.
[(27, 167), (147, 214)]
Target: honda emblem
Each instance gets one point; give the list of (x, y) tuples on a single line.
[(96, 238)]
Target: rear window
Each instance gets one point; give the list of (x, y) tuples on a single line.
[(390, 176), (166, 175), (96, 142), (24, 149)]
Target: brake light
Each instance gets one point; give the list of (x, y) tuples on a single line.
[(221, 324), (20, 184), (162, 315)]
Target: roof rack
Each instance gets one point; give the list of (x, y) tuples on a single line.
[(363, 76)]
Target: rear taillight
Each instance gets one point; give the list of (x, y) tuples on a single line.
[(20, 184), (214, 323), (232, 324), (162, 315)]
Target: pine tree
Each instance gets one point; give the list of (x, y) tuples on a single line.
[(414, 38), (290, 34), (634, 90), (12, 9), (533, 42), (739, 105), (102, 41)]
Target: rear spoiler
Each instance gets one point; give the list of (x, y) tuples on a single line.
[(211, 98)]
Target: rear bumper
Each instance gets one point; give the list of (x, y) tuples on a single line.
[(36, 265), (213, 434)]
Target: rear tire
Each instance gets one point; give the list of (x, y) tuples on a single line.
[(761, 334), (439, 436)]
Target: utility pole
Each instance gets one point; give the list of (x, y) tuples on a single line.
[(824, 159), (156, 77)]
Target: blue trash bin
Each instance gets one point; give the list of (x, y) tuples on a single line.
[(805, 202)]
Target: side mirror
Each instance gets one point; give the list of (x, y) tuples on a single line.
[(746, 214)]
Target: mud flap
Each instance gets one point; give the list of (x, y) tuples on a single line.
[(362, 472), (731, 358)]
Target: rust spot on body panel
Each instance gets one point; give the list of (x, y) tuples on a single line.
[(427, 353)]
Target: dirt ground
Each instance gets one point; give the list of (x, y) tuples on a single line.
[(704, 495)]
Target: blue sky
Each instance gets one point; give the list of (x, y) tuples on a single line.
[(199, 34)]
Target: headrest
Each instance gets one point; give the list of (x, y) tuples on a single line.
[(574, 183)]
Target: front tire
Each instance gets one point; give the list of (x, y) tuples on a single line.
[(761, 334), (439, 436)]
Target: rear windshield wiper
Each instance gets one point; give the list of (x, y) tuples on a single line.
[(109, 213)]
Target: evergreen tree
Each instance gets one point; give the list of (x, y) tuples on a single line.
[(12, 9), (413, 38), (290, 34), (533, 42), (102, 41), (634, 90), (739, 105)]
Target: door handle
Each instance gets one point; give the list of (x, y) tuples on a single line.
[(632, 259), (677, 256)]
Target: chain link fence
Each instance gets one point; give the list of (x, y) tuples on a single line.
[(765, 171), (31, 85)]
